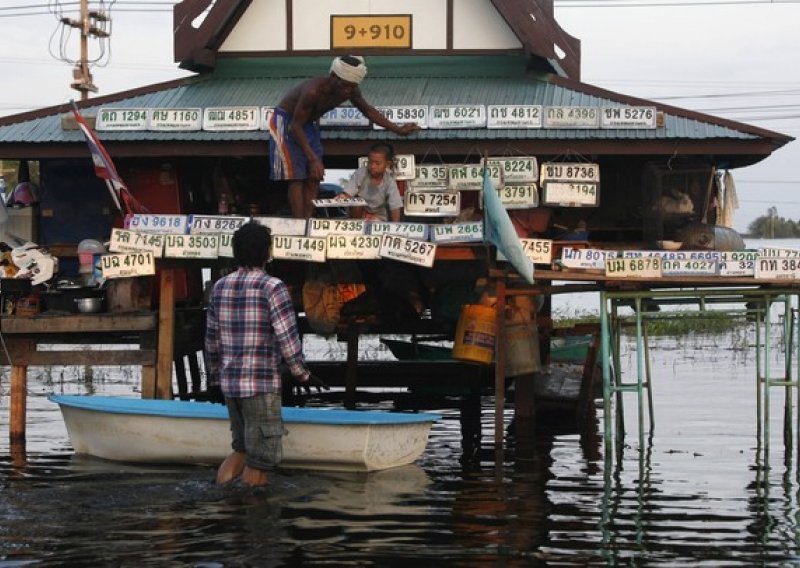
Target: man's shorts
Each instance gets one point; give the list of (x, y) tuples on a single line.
[(257, 429), (287, 159)]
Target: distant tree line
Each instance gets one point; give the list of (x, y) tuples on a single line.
[(773, 226)]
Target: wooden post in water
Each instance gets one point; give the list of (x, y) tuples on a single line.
[(18, 410), (500, 371)]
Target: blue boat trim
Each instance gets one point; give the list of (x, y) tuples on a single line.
[(208, 410)]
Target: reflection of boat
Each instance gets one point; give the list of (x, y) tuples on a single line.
[(174, 431)]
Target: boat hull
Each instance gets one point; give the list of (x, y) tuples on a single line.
[(147, 431)]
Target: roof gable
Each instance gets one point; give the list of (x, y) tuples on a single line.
[(203, 26)]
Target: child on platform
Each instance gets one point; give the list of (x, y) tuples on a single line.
[(376, 185)]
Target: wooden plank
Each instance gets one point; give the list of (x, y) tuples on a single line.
[(166, 337), (88, 323), (17, 419)]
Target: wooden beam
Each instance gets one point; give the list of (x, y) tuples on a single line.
[(17, 418), (166, 329)]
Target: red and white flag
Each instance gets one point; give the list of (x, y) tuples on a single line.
[(104, 168)]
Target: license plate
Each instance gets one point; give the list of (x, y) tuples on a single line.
[(344, 202), (539, 251), (164, 224), (645, 267), (772, 252), (175, 119), (325, 227), (431, 204), (309, 249), (585, 258), (457, 233), (231, 118), (418, 231), (283, 225), (215, 224), (517, 170), (457, 116), (225, 245), (127, 265), (123, 240), (470, 177), (115, 119), (266, 116), (514, 116), (430, 176), (519, 196), (355, 247), (407, 114), (344, 116), (571, 117), (406, 250), (567, 194), (778, 268), (191, 246), (689, 267), (628, 117), (584, 172), (738, 263)]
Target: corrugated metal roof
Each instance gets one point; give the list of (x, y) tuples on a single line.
[(219, 90)]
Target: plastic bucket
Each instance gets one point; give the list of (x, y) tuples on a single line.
[(522, 349), (475, 334)]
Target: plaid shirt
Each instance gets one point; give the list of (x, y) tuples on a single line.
[(250, 325)]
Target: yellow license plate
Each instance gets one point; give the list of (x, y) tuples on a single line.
[(370, 32)]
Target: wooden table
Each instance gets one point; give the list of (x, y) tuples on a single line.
[(22, 337)]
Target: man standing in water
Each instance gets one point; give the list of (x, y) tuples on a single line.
[(250, 326), (295, 144)]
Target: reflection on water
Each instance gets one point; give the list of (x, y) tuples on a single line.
[(698, 493)]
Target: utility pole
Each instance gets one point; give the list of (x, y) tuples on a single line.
[(88, 27)]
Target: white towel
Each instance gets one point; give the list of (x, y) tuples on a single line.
[(350, 73), (730, 202)]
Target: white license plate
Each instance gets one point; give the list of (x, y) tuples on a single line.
[(584, 259), (404, 167), (571, 117), (457, 233), (689, 267), (354, 247), (215, 224), (309, 249), (231, 118), (344, 202), (325, 227), (567, 194), (517, 170), (266, 116), (514, 116), (344, 116), (584, 172), (127, 264), (738, 263), (628, 117), (430, 176), (773, 252), (519, 196), (406, 250), (191, 246), (164, 224), (778, 268), (175, 119), (418, 231), (431, 204), (407, 114), (123, 240), (115, 119), (283, 225), (539, 251), (645, 267), (457, 116), (470, 177)]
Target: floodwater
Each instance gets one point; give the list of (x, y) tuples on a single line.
[(698, 492)]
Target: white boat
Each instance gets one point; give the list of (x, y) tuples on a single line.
[(174, 431)]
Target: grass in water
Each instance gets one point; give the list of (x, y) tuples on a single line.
[(669, 324)]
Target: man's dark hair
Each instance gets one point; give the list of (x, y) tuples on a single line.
[(251, 244)]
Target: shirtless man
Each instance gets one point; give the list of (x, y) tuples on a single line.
[(295, 145)]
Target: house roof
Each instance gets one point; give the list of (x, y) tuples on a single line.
[(392, 81)]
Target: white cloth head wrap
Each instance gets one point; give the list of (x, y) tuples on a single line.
[(347, 72)]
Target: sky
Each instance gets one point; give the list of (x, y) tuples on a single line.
[(731, 58)]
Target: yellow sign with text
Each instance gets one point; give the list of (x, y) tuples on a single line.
[(371, 31)]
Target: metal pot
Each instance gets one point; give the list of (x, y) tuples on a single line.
[(89, 305)]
